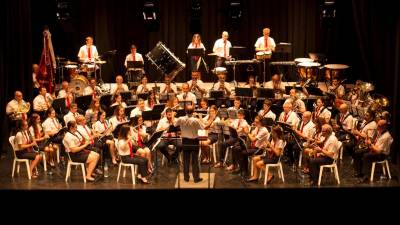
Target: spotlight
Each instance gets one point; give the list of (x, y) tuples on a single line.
[(328, 9), (235, 10), (149, 11)]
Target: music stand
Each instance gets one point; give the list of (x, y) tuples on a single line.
[(128, 109), (216, 94), (283, 48), (265, 93), (105, 100), (110, 110), (59, 104), (143, 96), (244, 92), (126, 95), (288, 88), (237, 52), (134, 69), (83, 102), (147, 115), (134, 64), (180, 113), (267, 122), (158, 108), (195, 52), (315, 91)]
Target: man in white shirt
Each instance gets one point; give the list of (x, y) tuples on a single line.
[(66, 92), (236, 105), (43, 101), (15, 107), (168, 86), (276, 84), (92, 89), (221, 85), (265, 43), (297, 104), (88, 52), (186, 95), (196, 85), (337, 89), (133, 56), (72, 114), (141, 107), (119, 86), (288, 116), (168, 139), (266, 111), (221, 49)]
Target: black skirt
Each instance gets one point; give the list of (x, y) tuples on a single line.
[(270, 160), (81, 156), (25, 154)]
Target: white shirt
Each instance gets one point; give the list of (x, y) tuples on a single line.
[(40, 103), (143, 89), (22, 139), (51, 125), (62, 94), (196, 92), (129, 57), (340, 91), (13, 106), (83, 53), (298, 105), (189, 97), (212, 126), (270, 85), (261, 135), (123, 147), (260, 43), (331, 145), (384, 142), (163, 87), (115, 122), (308, 128), (35, 81), (123, 104), (226, 85), (147, 103), (219, 46), (85, 132), (191, 46), (114, 88), (32, 131), (101, 127), (189, 126), (143, 135), (269, 114), (71, 141), (89, 90), (291, 118), (280, 144), (324, 113), (240, 126), (369, 128), (163, 124), (138, 112), (70, 117), (347, 122)]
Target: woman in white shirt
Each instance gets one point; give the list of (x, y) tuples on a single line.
[(143, 87), (103, 129), (91, 113), (139, 136), (117, 100), (118, 117), (209, 124), (151, 100), (196, 43)]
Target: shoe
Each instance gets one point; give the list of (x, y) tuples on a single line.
[(91, 179), (252, 180), (186, 179), (270, 179), (144, 180), (198, 180), (98, 171)]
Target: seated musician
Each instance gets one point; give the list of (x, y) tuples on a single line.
[(128, 154), (15, 107), (186, 95), (151, 100), (276, 84), (172, 104), (37, 133), (144, 87), (355, 94), (163, 125), (304, 131), (196, 85), (66, 92), (266, 111), (94, 109), (51, 127), (103, 129), (288, 116), (118, 117), (342, 126), (117, 100), (273, 151), (321, 111), (378, 149), (43, 101), (236, 104), (72, 114), (324, 154), (141, 107), (251, 83), (221, 85), (119, 86), (24, 147), (367, 131), (209, 124), (317, 139), (92, 89), (77, 146), (337, 89), (297, 103), (139, 136), (168, 87)]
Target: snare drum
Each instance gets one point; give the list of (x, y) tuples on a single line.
[(263, 55), (78, 84)]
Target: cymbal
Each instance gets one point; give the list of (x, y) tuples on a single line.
[(219, 70), (101, 62), (336, 66), (309, 64), (367, 87), (69, 63), (302, 60), (212, 54)]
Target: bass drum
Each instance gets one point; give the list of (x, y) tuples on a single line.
[(78, 84)]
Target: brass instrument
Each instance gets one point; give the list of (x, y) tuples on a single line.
[(23, 107)]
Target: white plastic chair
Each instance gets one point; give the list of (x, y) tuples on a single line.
[(331, 166), (71, 163), (277, 165), (132, 167), (17, 161), (384, 163)]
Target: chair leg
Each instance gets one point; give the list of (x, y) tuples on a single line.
[(124, 173), (13, 169), (83, 173), (321, 169), (28, 170), (341, 153), (119, 171), (18, 167), (388, 170), (372, 172), (266, 175), (251, 166), (384, 169), (300, 158), (68, 172), (337, 174), (58, 154), (44, 161), (281, 169), (214, 146), (133, 174), (226, 156)]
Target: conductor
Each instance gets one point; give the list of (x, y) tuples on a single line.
[(189, 126)]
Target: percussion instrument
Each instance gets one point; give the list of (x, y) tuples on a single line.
[(334, 70), (165, 61), (78, 84), (219, 70), (263, 55), (303, 60), (308, 70)]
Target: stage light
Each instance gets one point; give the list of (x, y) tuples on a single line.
[(235, 10), (195, 9), (64, 10), (328, 9), (149, 11)]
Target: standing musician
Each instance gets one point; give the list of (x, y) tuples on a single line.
[(186, 95), (209, 123), (118, 117), (378, 149), (92, 89), (144, 86), (92, 112), (266, 111), (189, 126), (196, 85), (103, 129), (119, 86), (321, 111), (133, 56), (73, 114), (163, 125), (265, 43), (168, 87), (88, 52), (43, 101), (221, 85), (67, 93), (288, 116), (17, 108), (337, 88), (77, 147), (196, 60), (325, 154), (297, 103), (276, 84), (117, 100), (139, 136), (221, 49), (273, 151)]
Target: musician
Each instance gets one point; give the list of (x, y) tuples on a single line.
[(355, 94), (325, 154), (304, 131), (167, 86), (143, 87), (297, 103), (103, 128), (337, 88), (119, 86), (139, 136), (344, 120), (66, 92), (15, 107), (141, 107), (172, 104), (221, 49), (266, 111), (321, 111), (128, 154), (196, 43), (273, 151), (36, 85), (186, 95), (24, 147), (379, 149), (288, 116), (94, 109), (204, 105), (196, 85), (51, 125), (276, 84), (265, 43), (317, 139), (72, 114), (163, 125), (151, 100), (43, 101), (133, 56), (209, 123), (118, 117), (189, 126), (92, 89), (117, 100), (88, 52), (221, 85), (77, 146), (367, 131), (37, 134), (251, 83)]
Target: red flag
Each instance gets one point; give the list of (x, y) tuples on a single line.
[(47, 65)]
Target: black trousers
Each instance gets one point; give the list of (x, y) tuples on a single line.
[(363, 162), (191, 150), (315, 164), (163, 147), (293, 151), (137, 160), (229, 141)]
